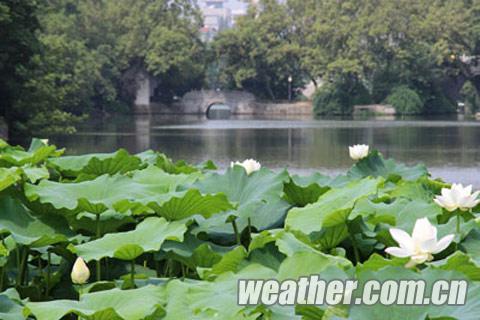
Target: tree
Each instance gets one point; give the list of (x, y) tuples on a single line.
[(259, 54), (75, 57), (18, 43)]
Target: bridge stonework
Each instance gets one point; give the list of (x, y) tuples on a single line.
[(240, 102), (200, 100)]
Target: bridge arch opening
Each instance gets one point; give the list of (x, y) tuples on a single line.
[(218, 111)]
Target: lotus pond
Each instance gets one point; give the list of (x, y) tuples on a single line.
[(170, 240)]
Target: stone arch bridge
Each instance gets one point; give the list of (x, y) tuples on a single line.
[(199, 101)]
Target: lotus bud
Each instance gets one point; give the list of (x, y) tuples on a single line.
[(249, 165), (80, 272), (358, 151)]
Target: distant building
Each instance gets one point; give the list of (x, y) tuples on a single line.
[(216, 17), (236, 14)]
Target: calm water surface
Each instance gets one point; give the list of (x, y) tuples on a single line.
[(450, 148)]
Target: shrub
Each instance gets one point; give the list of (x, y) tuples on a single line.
[(405, 100), (327, 100), (470, 97), (439, 103), (340, 97)]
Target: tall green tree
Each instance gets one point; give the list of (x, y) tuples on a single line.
[(18, 43), (259, 54), (87, 53)]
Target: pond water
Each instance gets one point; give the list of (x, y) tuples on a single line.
[(449, 147)]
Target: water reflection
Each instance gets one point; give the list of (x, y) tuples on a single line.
[(449, 148)]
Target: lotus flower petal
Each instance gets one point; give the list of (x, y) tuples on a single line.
[(358, 151), (443, 243), (457, 197), (424, 231), (403, 239), (421, 246), (398, 252)]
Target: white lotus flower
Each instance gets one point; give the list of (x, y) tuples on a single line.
[(358, 151), (457, 197), (249, 165), (80, 272), (421, 245)]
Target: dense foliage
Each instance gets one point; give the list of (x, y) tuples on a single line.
[(168, 240), (63, 59), (471, 98), (380, 43), (405, 100), (340, 97), (87, 54)]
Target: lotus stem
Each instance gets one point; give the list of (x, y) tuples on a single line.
[(106, 275), (167, 267), (23, 265), (458, 226), (249, 229), (132, 272), (458, 230), (355, 249), (2, 275), (157, 267), (182, 267), (235, 230), (49, 271), (98, 262)]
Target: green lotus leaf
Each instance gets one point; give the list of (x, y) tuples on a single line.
[(115, 304), (401, 213), (163, 162), (332, 208), (258, 197), (35, 174), (377, 262), (303, 264), (122, 193), (9, 176), (17, 156), (469, 311), (290, 244), (239, 187), (287, 243), (94, 196), (154, 176), (471, 245), (193, 252), (30, 230), (301, 191), (10, 305), (231, 261), (460, 262), (110, 221), (376, 166), (96, 164), (217, 299), (180, 205), (148, 236), (423, 189)]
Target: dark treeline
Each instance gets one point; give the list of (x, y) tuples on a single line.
[(63, 59)]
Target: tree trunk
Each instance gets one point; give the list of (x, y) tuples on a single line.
[(476, 83), (453, 85)]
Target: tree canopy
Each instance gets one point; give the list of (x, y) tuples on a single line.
[(63, 59), (88, 51), (381, 44)]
